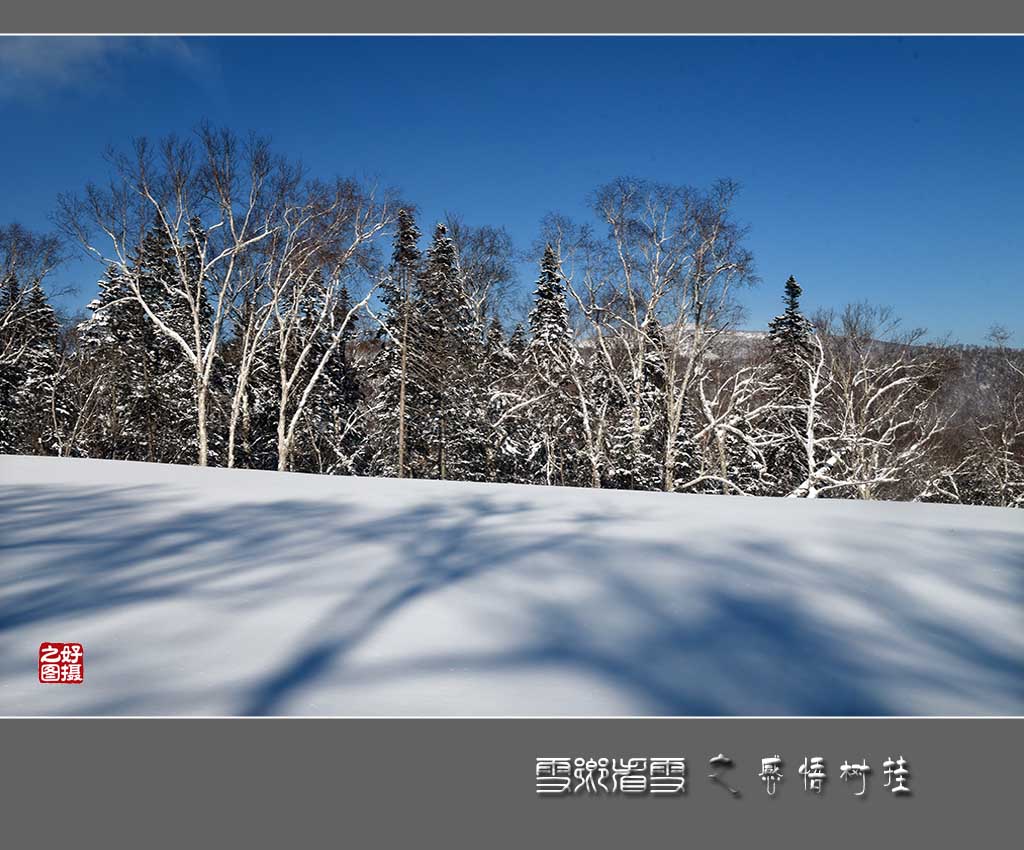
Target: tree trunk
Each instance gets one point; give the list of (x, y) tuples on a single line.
[(401, 393), (201, 425)]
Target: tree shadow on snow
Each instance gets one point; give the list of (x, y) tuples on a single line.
[(736, 630)]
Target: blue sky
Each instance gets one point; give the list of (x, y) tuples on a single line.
[(886, 169)]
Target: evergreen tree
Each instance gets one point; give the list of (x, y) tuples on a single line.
[(637, 441), (518, 344), (148, 385), (261, 404), (165, 388), (509, 434), (10, 293), (554, 451), (109, 340), (789, 337), (41, 402), (688, 461), (395, 411), (549, 318), (447, 355), (12, 371), (747, 471)]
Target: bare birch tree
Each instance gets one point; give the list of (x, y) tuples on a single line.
[(209, 197), (671, 262)]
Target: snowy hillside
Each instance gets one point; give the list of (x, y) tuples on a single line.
[(241, 592)]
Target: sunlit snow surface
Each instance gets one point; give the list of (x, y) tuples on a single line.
[(210, 591)]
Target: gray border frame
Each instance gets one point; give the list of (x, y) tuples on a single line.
[(524, 16), (471, 783)]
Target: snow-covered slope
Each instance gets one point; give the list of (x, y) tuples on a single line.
[(239, 592)]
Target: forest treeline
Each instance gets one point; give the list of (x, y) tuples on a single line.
[(250, 317)]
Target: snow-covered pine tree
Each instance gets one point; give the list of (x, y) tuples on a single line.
[(109, 341), (637, 439), (549, 318), (158, 392), (165, 388), (446, 354), (148, 409), (473, 440), (12, 371), (431, 354), (397, 398), (789, 336), (745, 470), (517, 425), (518, 343), (687, 455), (506, 448), (621, 461), (553, 457), (41, 402)]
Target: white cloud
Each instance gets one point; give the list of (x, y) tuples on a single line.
[(33, 66)]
